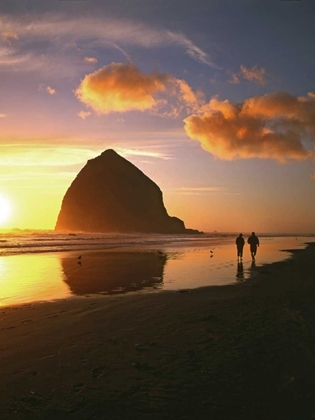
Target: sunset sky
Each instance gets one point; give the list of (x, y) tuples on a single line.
[(214, 100)]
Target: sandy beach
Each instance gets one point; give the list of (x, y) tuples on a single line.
[(227, 352)]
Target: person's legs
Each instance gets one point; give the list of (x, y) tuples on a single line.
[(240, 253)]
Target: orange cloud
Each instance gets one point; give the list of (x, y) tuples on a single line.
[(8, 35), (313, 176), (120, 88), (186, 95), (283, 105), (255, 74), (50, 90), (235, 80), (92, 60), (273, 126), (84, 114)]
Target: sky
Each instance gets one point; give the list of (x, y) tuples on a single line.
[(213, 100)]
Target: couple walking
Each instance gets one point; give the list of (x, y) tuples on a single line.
[(253, 242)]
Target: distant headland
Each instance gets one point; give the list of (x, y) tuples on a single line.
[(110, 194)]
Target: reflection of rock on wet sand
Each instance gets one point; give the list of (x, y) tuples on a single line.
[(113, 272)]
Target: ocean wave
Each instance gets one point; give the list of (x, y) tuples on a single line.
[(34, 242)]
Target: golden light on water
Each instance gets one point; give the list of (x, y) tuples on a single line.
[(5, 209), (31, 278)]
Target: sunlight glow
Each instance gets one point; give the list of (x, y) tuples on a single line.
[(5, 209)]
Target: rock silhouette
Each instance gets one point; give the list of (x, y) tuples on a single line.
[(110, 194)]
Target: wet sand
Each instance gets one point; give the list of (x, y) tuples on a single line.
[(48, 276), (244, 351)]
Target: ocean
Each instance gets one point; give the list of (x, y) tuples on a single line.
[(22, 242), (39, 266)]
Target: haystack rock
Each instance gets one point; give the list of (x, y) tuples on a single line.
[(111, 195)]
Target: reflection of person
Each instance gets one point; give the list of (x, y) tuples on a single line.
[(240, 271), (240, 245), (254, 243)]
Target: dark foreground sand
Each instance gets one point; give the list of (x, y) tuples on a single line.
[(234, 352)]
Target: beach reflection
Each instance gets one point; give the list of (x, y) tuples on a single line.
[(51, 276), (113, 272), (200, 267), (30, 278), (240, 272)]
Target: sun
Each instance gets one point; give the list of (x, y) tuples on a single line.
[(5, 209)]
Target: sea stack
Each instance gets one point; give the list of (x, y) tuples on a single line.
[(110, 194)]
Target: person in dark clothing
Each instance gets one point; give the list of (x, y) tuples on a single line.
[(240, 245), (253, 242)]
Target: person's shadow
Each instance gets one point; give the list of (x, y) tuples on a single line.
[(240, 272)]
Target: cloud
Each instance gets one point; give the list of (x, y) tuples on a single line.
[(34, 176), (235, 79), (47, 89), (19, 155), (121, 87), (313, 176), (92, 60), (197, 190), (9, 57), (255, 74), (274, 126), (3, 115), (191, 99), (138, 152), (84, 114), (60, 34), (7, 36), (192, 50), (50, 90), (180, 99)]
